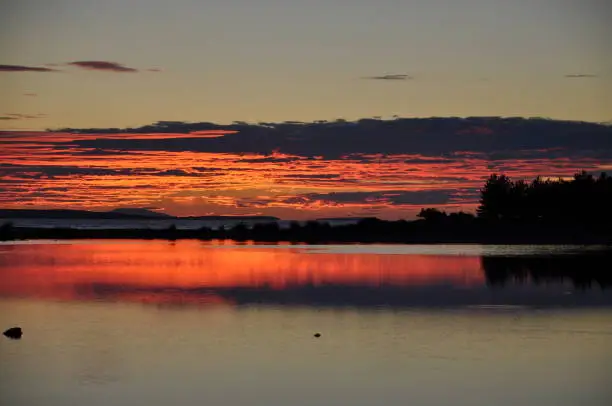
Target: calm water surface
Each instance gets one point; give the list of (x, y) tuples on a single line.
[(192, 323)]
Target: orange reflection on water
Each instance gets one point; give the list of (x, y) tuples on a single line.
[(160, 271)]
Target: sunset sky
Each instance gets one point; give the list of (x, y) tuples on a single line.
[(101, 70)]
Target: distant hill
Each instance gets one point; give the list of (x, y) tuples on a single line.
[(141, 213), (118, 214)]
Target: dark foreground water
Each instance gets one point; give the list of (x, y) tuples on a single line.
[(192, 323)]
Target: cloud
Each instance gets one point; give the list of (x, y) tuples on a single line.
[(364, 140), (105, 66), (314, 176), (428, 161), (269, 159), (19, 116), (100, 152), (368, 199), (389, 77), (173, 172), (23, 68), (102, 66), (580, 75), (391, 197), (38, 171)]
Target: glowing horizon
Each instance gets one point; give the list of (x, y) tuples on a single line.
[(389, 169)]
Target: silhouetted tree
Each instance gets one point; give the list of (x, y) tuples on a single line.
[(6, 231), (495, 198), (584, 200), (461, 218), (432, 215)]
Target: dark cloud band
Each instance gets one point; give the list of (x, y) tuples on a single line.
[(102, 66), (389, 77), (480, 137), (23, 68)]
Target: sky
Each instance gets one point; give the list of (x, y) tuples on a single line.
[(125, 64)]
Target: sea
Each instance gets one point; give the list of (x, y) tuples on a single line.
[(132, 322)]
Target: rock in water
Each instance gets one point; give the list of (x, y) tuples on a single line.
[(14, 333)]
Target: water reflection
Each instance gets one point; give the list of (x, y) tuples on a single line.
[(581, 271), (192, 273)]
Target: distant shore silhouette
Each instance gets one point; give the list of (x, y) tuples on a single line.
[(542, 211)]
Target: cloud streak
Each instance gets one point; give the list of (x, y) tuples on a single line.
[(580, 75), (19, 116), (105, 66), (390, 77), (391, 197), (23, 68), (102, 66)]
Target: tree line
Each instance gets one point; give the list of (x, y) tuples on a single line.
[(583, 200)]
